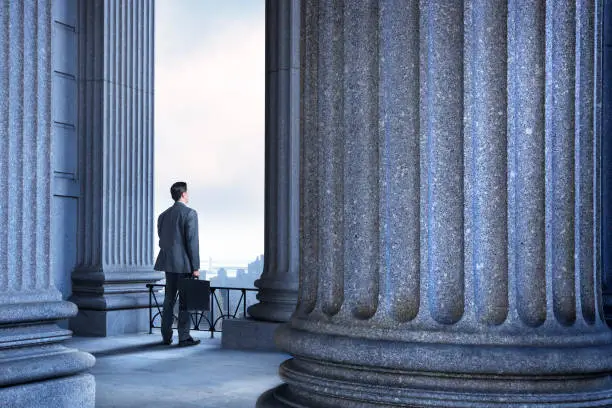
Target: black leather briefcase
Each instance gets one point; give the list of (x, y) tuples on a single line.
[(195, 294)]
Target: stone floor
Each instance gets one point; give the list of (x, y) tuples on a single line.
[(138, 371)]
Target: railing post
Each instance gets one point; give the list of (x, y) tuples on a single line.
[(150, 308), (227, 298), (244, 303), (212, 313)]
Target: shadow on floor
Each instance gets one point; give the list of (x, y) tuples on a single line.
[(139, 371)]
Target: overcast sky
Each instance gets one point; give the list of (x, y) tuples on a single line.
[(209, 120)]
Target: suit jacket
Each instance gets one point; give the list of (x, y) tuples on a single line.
[(177, 228)]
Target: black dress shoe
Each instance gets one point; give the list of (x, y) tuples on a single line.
[(167, 342), (189, 342)]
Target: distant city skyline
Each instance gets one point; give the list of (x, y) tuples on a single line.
[(209, 120)]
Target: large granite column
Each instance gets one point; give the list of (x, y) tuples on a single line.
[(35, 368), (606, 159), (279, 281), (116, 220), (450, 208)]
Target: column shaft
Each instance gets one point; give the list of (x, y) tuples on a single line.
[(400, 192), (279, 281), (526, 151), (442, 132), (560, 94), (496, 158), (486, 144), (361, 144), (330, 121), (588, 279), (31, 352), (309, 211), (116, 210), (606, 160)]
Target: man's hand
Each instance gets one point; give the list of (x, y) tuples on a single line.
[(196, 274)]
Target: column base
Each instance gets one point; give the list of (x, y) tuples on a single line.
[(273, 312), (284, 396), (78, 391), (249, 334), (103, 323), (112, 301), (37, 371), (351, 372), (275, 305)]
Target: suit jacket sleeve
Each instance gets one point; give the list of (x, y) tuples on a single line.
[(192, 240), (159, 223)]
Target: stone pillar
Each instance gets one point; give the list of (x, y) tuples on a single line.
[(35, 368), (116, 220), (279, 281), (450, 208), (606, 159)]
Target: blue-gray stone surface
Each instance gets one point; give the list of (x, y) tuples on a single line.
[(35, 368), (137, 371), (249, 334), (449, 208), (279, 281), (116, 225)]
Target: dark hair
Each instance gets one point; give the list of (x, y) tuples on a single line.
[(177, 190)]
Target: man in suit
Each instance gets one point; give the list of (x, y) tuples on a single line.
[(179, 257)]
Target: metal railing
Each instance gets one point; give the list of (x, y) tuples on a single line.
[(222, 306)]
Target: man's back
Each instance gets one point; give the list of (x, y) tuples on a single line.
[(179, 257), (177, 228)]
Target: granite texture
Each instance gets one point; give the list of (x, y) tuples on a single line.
[(559, 144), (448, 209), (249, 334), (35, 366), (36, 370), (28, 312), (400, 192), (70, 392), (104, 323), (116, 221), (526, 190), (279, 281), (606, 152), (442, 145), (485, 145), (25, 154), (41, 362)]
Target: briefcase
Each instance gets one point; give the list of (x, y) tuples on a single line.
[(195, 294)]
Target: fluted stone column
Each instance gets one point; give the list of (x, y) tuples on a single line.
[(606, 159), (35, 368), (116, 220), (450, 208), (279, 281)]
